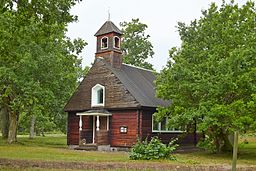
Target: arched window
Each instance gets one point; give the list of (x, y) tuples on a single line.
[(104, 43), (116, 42), (98, 95)]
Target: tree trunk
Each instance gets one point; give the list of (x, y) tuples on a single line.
[(32, 126), (217, 143), (12, 135), (222, 143), (227, 146), (42, 132), (4, 122)]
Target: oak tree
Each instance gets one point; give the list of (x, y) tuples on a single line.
[(39, 65), (136, 46), (211, 78)]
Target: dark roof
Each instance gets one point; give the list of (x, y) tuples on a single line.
[(137, 81), (108, 27), (140, 83)]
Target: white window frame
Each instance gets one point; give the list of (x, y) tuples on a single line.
[(102, 44), (114, 43), (94, 97), (170, 130)]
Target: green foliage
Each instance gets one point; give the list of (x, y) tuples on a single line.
[(211, 78), (39, 65), (207, 144), (136, 46), (152, 150), (86, 70)]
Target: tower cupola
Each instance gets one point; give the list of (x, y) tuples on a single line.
[(109, 44)]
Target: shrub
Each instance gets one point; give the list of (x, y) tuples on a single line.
[(153, 150), (208, 144)]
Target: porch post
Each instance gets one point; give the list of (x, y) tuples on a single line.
[(107, 123), (98, 123), (80, 128), (80, 123)]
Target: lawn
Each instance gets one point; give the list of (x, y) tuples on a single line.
[(53, 150)]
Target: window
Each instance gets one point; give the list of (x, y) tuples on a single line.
[(104, 43), (98, 95), (163, 126), (123, 129), (117, 42)]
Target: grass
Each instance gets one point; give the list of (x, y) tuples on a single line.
[(246, 155), (54, 148)]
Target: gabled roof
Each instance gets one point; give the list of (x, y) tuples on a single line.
[(140, 83), (108, 27)]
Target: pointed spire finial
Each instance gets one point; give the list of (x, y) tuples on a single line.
[(108, 14)]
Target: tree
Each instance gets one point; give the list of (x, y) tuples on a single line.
[(211, 79), (86, 70), (4, 122), (39, 65), (136, 46)]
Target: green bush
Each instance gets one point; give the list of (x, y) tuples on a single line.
[(153, 150), (207, 144)]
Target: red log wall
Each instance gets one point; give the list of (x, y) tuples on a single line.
[(124, 118), (73, 128), (128, 118)]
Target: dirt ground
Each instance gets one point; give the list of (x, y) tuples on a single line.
[(116, 166)]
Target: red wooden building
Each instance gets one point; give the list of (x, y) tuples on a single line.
[(115, 102)]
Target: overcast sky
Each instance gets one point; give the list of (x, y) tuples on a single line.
[(161, 16)]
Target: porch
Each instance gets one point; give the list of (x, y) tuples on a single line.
[(97, 133)]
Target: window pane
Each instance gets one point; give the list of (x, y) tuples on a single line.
[(155, 124), (163, 124), (100, 96)]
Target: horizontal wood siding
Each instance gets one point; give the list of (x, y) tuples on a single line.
[(165, 137), (129, 119), (86, 132), (146, 128), (73, 129), (102, 137), (110, 43)]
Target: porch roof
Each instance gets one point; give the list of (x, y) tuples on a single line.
[(96, 112)]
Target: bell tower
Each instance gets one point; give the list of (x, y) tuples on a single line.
[(109, 44)]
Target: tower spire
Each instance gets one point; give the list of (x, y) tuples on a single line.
[(108, 14)]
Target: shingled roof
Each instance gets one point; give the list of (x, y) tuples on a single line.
[(137, 81), (140, 83), (108, 27)]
